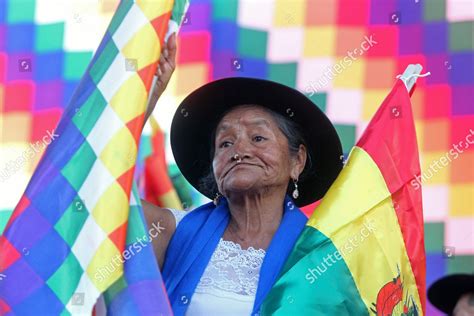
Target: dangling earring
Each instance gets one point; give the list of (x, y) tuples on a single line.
[(216, 198), (295, 193)]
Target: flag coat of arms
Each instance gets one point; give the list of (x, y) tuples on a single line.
[(362, 250)]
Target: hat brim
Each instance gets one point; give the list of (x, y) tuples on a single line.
[(198, 114), (445, 293)]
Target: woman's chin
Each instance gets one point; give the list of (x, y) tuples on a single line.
[(240, 186)]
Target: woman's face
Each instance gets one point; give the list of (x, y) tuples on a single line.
[(465, 305), (266, 163)]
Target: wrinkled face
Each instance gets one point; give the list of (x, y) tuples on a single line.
[(266, 163), (465, 305)]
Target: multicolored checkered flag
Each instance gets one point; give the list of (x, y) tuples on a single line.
[(78, 231)]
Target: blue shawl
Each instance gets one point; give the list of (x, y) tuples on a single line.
[(196, 238)]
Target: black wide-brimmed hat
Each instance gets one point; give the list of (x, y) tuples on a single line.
[(445, 292), (199, 113)]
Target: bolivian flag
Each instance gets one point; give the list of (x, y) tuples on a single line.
[(362, 250)]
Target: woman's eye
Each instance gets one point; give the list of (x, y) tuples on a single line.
[(225, 144), (258, 138)]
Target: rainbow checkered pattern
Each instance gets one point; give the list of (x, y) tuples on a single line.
[(295, 42), (290, 41), (78, 230)]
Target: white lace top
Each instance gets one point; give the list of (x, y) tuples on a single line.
[(229, 282)]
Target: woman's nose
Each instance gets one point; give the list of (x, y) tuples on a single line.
[(242, 148)]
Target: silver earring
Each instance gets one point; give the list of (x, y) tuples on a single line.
[(216, 198), (295, 193)]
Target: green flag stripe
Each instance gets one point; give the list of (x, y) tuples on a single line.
[(314, 281), (119, 16), (179, 10)]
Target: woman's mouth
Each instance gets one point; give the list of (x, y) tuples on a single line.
[(237, 165)]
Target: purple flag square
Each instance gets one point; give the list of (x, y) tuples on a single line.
[(435, 37), (49, 95), (53, 200), (142, 296), (68, 140), (42, 302), (48, 254), (222, 61), (435, 269), (3, 31), (462, 71), (12, 287), (439, 66), (410, 10), (122, 304), (20, 66), (44, 173), (227, 64), (140, 266), (380, 11), (27, 229), (432, 311), (462, 97), (224, 36), (410, 39), (197, 18)]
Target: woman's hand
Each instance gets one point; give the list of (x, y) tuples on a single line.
[(163, 72)]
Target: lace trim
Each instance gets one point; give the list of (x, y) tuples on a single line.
[(233, 270), (178, 214)]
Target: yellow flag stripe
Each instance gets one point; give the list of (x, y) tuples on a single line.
[(357, 214)]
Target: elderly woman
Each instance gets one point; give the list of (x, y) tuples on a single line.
[(259, 149)]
